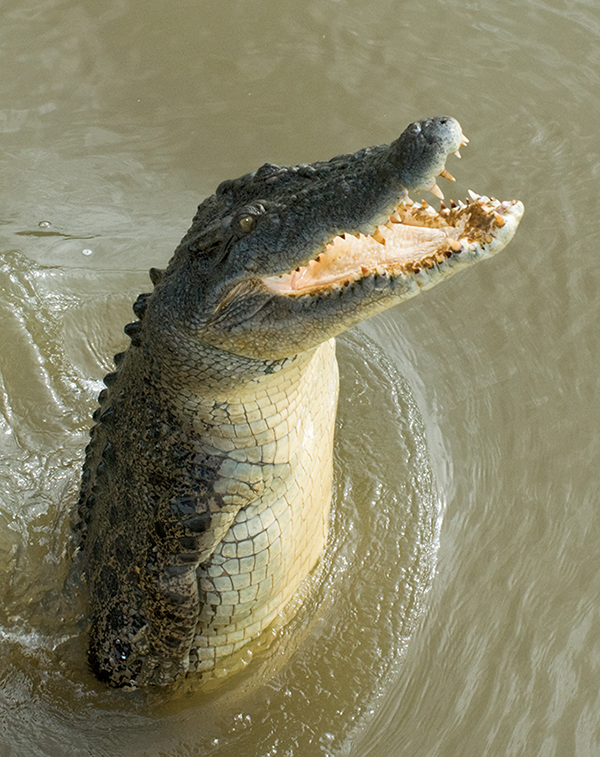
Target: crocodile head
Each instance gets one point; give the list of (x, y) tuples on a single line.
[(280, 260)]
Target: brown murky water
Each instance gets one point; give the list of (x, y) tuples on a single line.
[(457, 608)]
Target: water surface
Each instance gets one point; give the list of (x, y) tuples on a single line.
[(468, 634)]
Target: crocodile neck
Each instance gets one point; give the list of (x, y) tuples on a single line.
[(225, 540), (276, 433)]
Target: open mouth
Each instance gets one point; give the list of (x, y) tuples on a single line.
[(415, 239)]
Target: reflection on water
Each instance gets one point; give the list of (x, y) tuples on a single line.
[(115, 122)]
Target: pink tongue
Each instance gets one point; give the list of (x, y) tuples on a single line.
[(349, 258)]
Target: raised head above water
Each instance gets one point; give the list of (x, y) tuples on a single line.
[(207, 482), (279, 260)]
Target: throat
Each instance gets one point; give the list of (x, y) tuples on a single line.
[(275, 478)]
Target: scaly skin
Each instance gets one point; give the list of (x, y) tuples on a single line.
[(207, 482)]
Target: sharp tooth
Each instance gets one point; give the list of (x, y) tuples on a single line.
[(436, 191), (378, 236), (457, 153), (447, 175), (442, 205), (424, 203), (499, 220), (463, 140), (473, 195)]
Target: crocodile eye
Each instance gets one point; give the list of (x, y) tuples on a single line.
[(247, 223)]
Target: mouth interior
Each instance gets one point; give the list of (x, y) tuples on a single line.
[(415, 237)]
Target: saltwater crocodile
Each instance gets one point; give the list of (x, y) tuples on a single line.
[(207, 482)]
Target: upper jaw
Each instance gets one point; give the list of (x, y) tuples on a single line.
[(420, 152), (441, 137)]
